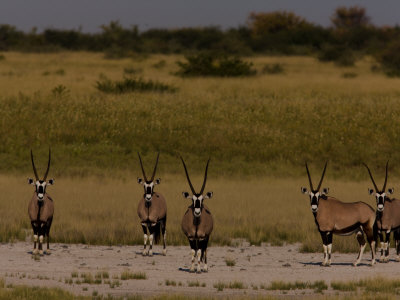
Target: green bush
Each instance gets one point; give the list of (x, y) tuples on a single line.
[(128, 85), (273, 69), (209, 64), (390, 59), (338, 54)]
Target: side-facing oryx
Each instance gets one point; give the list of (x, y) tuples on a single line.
[(41, 209), (335, 217), (197, 223), (152, 211), (387, 217)]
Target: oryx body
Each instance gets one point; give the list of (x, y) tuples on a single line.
[(387, 217), (41, 209), (152, 212), (336, 217), (197, 223)]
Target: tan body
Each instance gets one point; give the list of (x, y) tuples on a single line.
[(41, 216), (197, 229), (344, 218), (154, 212)]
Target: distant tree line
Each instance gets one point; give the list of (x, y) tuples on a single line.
[(278, 32)]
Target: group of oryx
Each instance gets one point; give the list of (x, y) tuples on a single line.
[(197, 222), (335, 217)]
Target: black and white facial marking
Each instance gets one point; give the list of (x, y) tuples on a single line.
[(380, 195), (381, 198), (315, 196), (197, 201), (148, 188), (40, 187)]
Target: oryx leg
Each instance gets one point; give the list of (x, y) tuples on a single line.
[(362, 243), (152, 228), (381, 246), (386, 246), (145, 237), (325, 241), (48, 235), (42, 231), (164, 235), (371, 238), (35, 237), (193, 246), (397, 244), (203, 248)]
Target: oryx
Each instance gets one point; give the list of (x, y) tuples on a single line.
[(335, 217), (152, 211), (387, 217), (197, 222), (41, 209)]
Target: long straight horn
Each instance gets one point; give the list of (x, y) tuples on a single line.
[(187, 176), (141, 164), (205, 178), (34, 168), (372, 178), (309, 178), (48, 166), (322, 177), (384, 185), (155, 167)]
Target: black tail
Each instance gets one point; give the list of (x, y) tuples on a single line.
[(156, 234)]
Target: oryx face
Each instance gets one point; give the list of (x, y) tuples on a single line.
[(148, 188), (380, 198), (40, 187), (197, 202), (315, 196)]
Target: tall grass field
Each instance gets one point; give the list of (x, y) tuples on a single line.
[(258, 131)]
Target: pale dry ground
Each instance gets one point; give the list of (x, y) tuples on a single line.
[(255, 266)]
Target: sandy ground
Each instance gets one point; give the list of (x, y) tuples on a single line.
[(254, 266)]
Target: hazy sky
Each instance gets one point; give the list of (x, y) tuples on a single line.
[(90, 14)]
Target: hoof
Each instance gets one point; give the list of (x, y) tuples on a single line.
[(191, 270), (144, 252), (35, 251), (356, 263), (398, 258), (205, 269), (151, 253), (48, 251), (373, 263), (41, 252), (164, 252), (198, 269)]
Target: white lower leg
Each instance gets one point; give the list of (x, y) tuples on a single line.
[(198, 261), (385, 251), (329, 254), (145, 242), (41, 244), (164, 252), (193, 254), (151, 245), (325, 255), (373, 252), (362, 247)]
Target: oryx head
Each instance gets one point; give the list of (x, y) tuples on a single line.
[(315, 194), (148, 185), (197, 198), (40, 185), (380, 195)]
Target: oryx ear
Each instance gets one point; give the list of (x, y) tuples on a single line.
[(325, 191), (370, 191), (30, 181), (304, 190), (208, 195), (139, 180), (391, 191), (51, 181), (185, 195), (157, 181)]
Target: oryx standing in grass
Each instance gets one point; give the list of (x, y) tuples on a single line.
[(387, 217), (197, 223), (41, 209), (152, 211), (335, 217)]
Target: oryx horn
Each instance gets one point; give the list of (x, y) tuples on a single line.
[(372, 178), (322, 177), (309, 178), (141, 164), (205, 178), (384, 185), (155, 167), (187, 176), (48, 166), (34, 168)]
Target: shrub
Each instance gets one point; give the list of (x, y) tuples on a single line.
[(208, 64), (60, 91), (338, 54), (131, 71), (2, 57), (128, 85), (390, 59), (273, 69)]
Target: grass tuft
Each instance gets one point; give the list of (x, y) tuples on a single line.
[(129, 85), (126, 275)]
